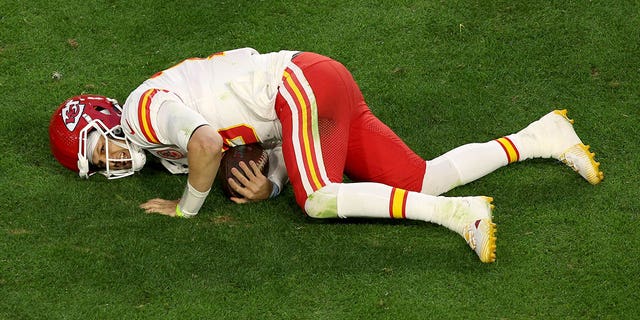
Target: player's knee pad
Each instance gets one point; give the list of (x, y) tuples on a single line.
[(323, 203)]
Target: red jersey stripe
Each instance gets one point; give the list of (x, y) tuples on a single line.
[(144, 116)]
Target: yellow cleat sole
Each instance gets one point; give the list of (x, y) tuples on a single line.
[(582, 160), (488, 255)]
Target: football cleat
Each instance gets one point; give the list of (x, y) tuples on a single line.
[(579, 158), (481, 237), (556, 138), (463, 210), (477, 227), (480, 207)]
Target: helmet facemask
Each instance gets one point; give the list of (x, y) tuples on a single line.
[(89, 136)]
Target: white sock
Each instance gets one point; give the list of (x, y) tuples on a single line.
[(374, 200), (463, 165), (547, 137)]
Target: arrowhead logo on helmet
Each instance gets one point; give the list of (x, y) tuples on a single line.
[(71, 113)]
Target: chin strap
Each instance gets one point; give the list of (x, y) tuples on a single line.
[(83, 168)]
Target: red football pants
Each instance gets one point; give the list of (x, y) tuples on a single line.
[(328, 131)]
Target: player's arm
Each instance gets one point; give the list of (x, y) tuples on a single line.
[(178, 125), (204, 154)]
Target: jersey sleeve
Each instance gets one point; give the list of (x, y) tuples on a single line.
[(177, 122), (156, 117)]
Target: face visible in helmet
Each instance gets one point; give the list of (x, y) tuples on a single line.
[(108, 152), (86, 137)]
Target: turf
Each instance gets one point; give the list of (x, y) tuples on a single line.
[(440, 73)]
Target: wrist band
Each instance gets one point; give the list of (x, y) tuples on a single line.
[(179, 212), (191, 201)]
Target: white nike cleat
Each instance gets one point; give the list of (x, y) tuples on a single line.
[(481, 237), (477, 227), (480, 207), (579, 158), (460, 211), (555, 137)]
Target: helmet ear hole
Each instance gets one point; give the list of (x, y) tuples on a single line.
[(117, 132), (103, 110)]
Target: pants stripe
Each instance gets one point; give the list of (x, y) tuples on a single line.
[(306, 138)]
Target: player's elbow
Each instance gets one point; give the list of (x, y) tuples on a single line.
[(205, 142), (209, 149)]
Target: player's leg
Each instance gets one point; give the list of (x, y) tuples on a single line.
[(315, 155), (470, 217), (377, 154), (552, 136), (302, 145)]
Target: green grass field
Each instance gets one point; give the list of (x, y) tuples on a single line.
[(440, 73)]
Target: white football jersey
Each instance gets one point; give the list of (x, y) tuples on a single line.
[(233, 91)]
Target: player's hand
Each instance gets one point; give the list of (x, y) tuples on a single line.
[(252, 185), (160, 206)]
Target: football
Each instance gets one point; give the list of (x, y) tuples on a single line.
[(232, 158)]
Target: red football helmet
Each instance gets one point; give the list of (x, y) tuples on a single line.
[(92, 116)]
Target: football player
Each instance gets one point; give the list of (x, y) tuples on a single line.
[(309, 106)]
